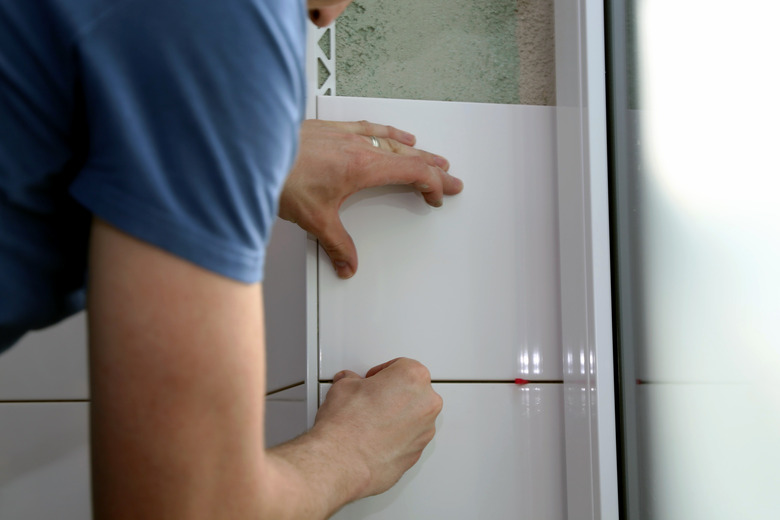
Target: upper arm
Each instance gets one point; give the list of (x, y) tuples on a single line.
[(178, 375)]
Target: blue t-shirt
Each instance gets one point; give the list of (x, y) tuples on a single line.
[(175, 121)]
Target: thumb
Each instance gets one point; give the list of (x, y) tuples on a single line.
[(375, 370), (345, 374), (339, 246)]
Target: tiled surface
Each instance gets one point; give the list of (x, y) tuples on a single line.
[(44, 461), (469, 289), (708, 451), (284, 297), (48, 364), (285, 415), (51, 364), (44, 454), (497, 454)]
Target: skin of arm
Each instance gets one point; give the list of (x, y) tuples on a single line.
[(177, 363)]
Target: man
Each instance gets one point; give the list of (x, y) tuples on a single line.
[(149, 141)]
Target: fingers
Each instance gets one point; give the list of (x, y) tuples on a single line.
[(414, 169), (366, 128), (375, 370), (425, 171), (337, 243), (415, 370), (345, 374)]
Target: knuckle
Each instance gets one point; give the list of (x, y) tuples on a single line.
[(430, 434), (365, 126), (355, 138), (438, 403), (419, 372), (395, 146)]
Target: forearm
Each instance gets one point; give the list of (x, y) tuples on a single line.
[(177, 369), (315, 474)]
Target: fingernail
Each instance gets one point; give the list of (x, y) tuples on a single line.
[(343, 270), (437, 203), (406, 136), (338, 376), (441, 162)]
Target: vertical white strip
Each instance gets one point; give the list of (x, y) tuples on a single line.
[(312, 333), (591, 451), (597, 170)]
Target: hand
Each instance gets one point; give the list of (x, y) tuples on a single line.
[(337, 160), (383, 421)]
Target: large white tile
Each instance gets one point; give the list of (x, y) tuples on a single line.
[(47, 364), (44, 461), (708, 451), (284, 295), (470, 289), (285, 415), (497, 454)]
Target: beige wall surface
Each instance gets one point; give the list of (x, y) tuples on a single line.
[(496, 51)]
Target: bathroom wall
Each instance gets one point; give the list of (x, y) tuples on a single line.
[(495, 51)]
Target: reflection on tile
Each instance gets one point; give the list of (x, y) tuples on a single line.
[(470, 289), (285, 415), (498, 454), (47, 364), (44, 461), (708, 451)]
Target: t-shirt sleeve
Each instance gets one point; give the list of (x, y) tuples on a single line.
[(192, 111)]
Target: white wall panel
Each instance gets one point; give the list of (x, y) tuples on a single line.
[(469, 289), (47, 364), (285, 415), (497, 454), (284, 296), (44, 461)]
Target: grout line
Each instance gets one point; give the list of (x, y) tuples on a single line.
[(294, 385), (34, 401)]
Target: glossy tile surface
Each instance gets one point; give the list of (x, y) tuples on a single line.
[(471, 288), (708, 451), (498, 454), (284, 298), (47, 364), (44, 461), (285, 415)]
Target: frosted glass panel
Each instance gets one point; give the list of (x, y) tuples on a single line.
[(697, 179)]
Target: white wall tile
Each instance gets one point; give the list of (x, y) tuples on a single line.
[(47, 364), (284, 294), (285, 415), (470, 289), (44, 461), (497, 454)]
